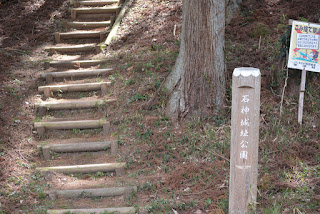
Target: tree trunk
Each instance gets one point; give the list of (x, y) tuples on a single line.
[(197, 83), (232, 7)]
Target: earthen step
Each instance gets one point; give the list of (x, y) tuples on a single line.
[(89, 168), (47, 90), (81, 35), (43, 107), (118, 210), (73, 48), (94, 2), (99, 192), (74, 124), (76, 73), (79, 147), (86, 25), (94, 10), (74, 63)]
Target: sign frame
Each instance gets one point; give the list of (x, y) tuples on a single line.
[(304, 46), (304, 37)]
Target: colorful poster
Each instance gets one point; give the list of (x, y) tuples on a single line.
[(304, 46)]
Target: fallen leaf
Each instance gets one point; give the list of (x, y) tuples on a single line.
[(130, 68), (198, 212), (174, 211)]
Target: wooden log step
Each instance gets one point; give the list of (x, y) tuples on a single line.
[(89, 168), (48, 90), (76, 73), (102, 16), (80, 35), (118, 210), (43, 107), (94, 2), (94, 10), (79, 147), (98, 192), (86, 25), (77, 124), (73, 48), (74, 63)]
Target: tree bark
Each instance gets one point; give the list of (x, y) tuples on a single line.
[(232, 6), (197, 82)]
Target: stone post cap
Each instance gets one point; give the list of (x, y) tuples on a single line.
[(246, 71)]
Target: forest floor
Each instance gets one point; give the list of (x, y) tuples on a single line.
[(179, 166)]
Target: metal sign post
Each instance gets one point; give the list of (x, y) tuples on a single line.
[(301, 96)]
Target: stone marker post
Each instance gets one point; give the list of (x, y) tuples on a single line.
[(246, 84)]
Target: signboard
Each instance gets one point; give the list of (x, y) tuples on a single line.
[(245, 120), (304, 47)]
